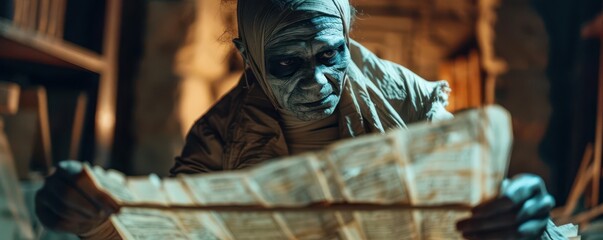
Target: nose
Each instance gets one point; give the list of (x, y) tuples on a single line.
[(316, 80)]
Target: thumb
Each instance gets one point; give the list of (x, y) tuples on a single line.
[(69, 169), (72, 173), (504, 185)]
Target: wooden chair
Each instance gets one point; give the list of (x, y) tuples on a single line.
[(35, 33), (15, 218)]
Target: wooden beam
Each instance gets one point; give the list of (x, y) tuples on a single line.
[(461, 79), (78, 126), (43, 17), (583, 178), (475, 78), (12, 50), (107, 92), (9, 98), (31, 14), (36, 100), (44, 122), (598, 134), (583, 218), (57, 47), (492, 65)]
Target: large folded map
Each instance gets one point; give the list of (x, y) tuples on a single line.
[(413, 183)]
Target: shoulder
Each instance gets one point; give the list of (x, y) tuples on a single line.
[(205, 141), (222, 113), (392, 79), (374, 67), (414, 97)]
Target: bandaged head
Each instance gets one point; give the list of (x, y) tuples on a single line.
[(298, 52)]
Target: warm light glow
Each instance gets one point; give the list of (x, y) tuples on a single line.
[(105, 123), (203, 64), (195, 100)]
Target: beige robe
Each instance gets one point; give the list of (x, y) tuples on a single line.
[(243, 128)]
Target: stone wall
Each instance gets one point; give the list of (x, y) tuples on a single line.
[(521, 41), (421, 35), (417, 34), (157, 134), (188, 64)]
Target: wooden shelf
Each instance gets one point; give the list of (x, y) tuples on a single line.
[(35, 46), (11, 50), (55, 47)]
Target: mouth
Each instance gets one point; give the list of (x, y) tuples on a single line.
[(322, 103)]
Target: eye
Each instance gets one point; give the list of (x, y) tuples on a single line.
[(328, 54), (284, 66), (330, 57), (286, 62)]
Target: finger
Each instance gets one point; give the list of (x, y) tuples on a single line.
[(54, 221), (52, 216), (529, 230), (69, 198), (523, 199), (69, 169), (66, 184), (59, 207), (104, 200), (523, 187), (504, 184), (91, 194), (533, 228), (494, 207), (538, 207), (501, 234), (71, 172), (475, 225)]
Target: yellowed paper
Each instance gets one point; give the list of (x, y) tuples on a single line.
[(294, 182), (368, 170), (254, 225), (132, 223), (429, 168), (230, 188)]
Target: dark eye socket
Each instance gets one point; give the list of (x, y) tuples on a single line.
[(284, 67), (328, 54), (286, 62), (330, 57)]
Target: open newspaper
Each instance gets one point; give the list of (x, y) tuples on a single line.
[(413, 183)]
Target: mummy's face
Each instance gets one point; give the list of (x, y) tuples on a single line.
[(306, 65)]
